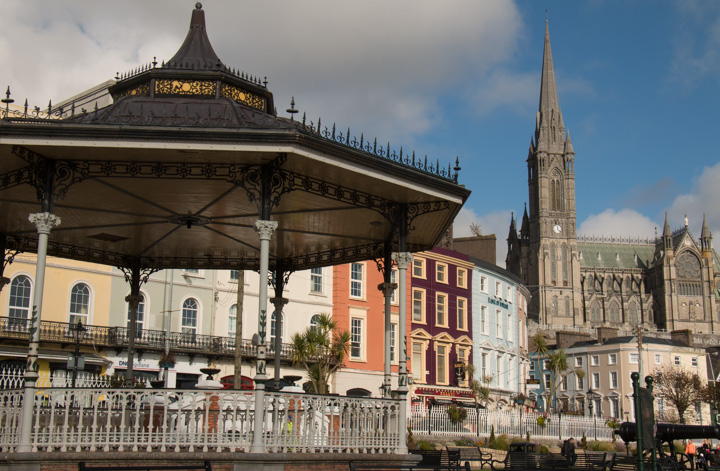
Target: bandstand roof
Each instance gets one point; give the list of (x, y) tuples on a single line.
[(190, 154)]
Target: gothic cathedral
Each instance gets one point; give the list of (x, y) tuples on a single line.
[(668, 283)]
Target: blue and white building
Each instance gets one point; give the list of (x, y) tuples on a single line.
[(499, 332)]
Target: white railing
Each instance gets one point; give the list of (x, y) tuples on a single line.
[(191, 420), (480, 423), (13, 377)]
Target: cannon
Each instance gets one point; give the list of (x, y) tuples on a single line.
[(669, 432)]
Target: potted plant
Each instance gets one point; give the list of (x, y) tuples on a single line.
[(167, 360)]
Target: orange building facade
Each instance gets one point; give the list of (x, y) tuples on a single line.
[(359, 308)]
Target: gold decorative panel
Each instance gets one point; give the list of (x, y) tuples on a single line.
[(185, 87), (142, 89), (242, 96)]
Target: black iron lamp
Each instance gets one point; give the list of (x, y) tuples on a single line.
[(78, 332)]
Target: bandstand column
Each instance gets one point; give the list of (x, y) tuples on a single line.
[(403, 260), (264, 230), (44, 222), (387, 290), (279, 302)]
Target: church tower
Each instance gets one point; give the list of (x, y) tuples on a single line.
[(548, 239)]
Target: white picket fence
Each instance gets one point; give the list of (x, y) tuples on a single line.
[(479, 423), (12, 377)]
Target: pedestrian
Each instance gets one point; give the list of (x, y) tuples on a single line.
[(568, 451), (690, 453)]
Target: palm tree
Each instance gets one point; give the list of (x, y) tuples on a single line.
[(321, 350), (556, 363)]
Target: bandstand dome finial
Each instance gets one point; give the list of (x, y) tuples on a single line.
[(198, 6)]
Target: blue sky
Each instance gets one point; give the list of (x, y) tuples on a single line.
[(638, 83)]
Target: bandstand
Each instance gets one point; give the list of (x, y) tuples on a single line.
[(191, 167)]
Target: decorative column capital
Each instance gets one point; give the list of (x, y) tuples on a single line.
[(279, 303), (403, 259), (134, 300), (387, 288), (44, 221), (265, 229)]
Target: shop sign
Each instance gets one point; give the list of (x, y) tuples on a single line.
[(444, 392), (498, 303)]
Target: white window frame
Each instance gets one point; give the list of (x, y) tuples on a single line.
[(462, 315), (484, 320), (393, 343), (446, 363), (498, 289), (676, 360), (580, 383), (418, 371), (578, 362), (21, 312), (441, 273), (355, 283), (612, 358), (633, 358), (596, 381), (445, 309), (694, 362), (393, 280), (484, 284), (613, 375), (658, 359), (498, 324), (232, 319), (462, 279), (423, 306), (357, 322), (187, 328), (193, 273), (419, 264), (317, 279), (594, 360), (509, 328), (86, 317)]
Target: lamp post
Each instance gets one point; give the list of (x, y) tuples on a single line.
[(78, 332), (591, 405)]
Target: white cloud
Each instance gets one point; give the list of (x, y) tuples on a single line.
[(702, 199), (622, 223), (382, 68), (497, 223)]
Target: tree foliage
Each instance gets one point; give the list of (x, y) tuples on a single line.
[(321, 350), (679, 387), (479, 388), (555, 362)]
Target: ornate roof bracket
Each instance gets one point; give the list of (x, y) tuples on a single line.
[(51, 178), (384, 260), (418, 209), (266, 184)]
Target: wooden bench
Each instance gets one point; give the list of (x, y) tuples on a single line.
[(149, 467), (439, 457), (472, 454), (585, 461), (362, 466)]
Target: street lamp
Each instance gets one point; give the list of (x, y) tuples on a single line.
[(78, 332), (591, 396)]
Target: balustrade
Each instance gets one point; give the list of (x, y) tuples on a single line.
[(59, 332), (102, 419)]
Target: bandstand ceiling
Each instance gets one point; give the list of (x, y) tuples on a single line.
[(176, 177)]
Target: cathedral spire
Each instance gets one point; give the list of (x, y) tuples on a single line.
[(550, 128), (706, 237), (525, 226)]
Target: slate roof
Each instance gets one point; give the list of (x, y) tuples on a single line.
[(615, 255)]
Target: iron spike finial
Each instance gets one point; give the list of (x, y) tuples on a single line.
[(319, 124), (49, 107), (303, 118), (292, 109), (265, 82), (154, 61), (26, 107)]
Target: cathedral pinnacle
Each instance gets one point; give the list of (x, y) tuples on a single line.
[(550, 128)]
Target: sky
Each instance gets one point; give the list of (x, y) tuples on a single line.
[(638, 84)]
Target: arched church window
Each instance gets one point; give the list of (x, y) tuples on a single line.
[(565, 265), (553, 262), (555, 306), (556, 193), (633, 318), (568, 312), (614, 312), (595, 312)]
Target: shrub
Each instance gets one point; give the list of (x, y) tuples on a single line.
[(492, 434), (597, 445), (425, 445), (500, 443), (527, 436), (543, 421), (583, 441), (468, 442), (456, 414), (544, 450)]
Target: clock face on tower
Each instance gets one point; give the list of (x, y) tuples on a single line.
[(557, 229)]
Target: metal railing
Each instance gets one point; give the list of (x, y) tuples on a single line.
[(480, 423), (59, 332), (169, 421)]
